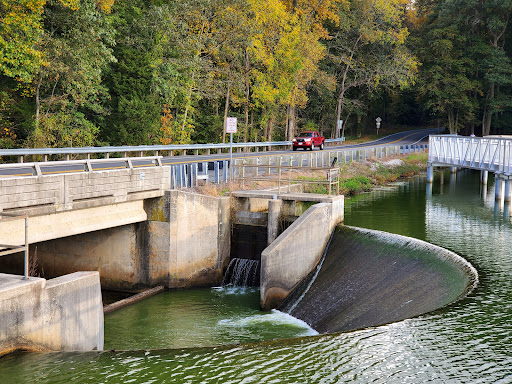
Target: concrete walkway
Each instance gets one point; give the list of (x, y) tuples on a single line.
[(272, 195)]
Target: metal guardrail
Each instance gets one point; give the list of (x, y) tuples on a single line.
[(9, 249), (66, 153), (490, 153), (89, 165), (186, 175)]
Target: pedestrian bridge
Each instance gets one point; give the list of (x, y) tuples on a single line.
[(489, 153)]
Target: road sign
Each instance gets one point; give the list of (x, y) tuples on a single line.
[(231, 124)]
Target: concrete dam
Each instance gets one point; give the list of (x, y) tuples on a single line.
[(368, 278)]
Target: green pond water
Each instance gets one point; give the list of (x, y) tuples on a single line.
[(170, 338)]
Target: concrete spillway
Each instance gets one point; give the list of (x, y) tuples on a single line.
[(369, 278)]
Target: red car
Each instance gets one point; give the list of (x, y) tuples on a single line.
[(308, 139)]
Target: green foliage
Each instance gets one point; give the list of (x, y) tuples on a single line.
[(64, 130), (355, 185), (148, 72)]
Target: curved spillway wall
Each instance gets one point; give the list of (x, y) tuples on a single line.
[(369, 278)]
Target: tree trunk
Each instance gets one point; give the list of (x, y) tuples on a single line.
[(226, 110), (247, 93), (291, 122), (251, 137), (270, 128), (487, 115), (38, 100)]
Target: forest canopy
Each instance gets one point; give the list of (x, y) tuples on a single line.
[(117, 72)]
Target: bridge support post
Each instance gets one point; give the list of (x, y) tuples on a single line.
[(507, 180), (498, 187), (430, 173), (484, 175), (275, 208), (453, 169)]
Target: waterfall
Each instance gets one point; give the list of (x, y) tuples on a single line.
[(242, 273)]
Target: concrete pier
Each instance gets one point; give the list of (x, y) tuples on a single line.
[(62, 314), (484, 175), (507, 180), (275, 208), (430, 173), (498, 186)]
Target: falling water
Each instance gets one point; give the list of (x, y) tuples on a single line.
[(242, 273), (370, 278)]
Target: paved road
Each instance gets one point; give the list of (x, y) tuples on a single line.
[(401, 138)]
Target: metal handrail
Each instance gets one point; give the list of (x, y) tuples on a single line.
[(22, 152), (491, 153), (332, 179), (10, 249)]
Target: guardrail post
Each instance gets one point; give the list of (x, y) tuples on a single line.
[(178, 175), (192, 175), (173, 176), (225, 171), (37, 168), (196, 152), (216, 172)]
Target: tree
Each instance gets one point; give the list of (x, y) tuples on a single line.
[(476, 69), (285, 50), (68, 89), (367, 52)]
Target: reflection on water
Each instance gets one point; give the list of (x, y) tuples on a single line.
[(469, 341)]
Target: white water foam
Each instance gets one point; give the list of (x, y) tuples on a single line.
[(275, 317)]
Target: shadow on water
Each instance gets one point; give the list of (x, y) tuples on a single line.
[(370, 278)]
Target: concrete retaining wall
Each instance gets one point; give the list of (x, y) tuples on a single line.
[(189, 239), (184, 243), (116, 253), (296, 252), (63, 314)]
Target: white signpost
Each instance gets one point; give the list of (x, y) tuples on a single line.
[(231, 123), (377, 122)]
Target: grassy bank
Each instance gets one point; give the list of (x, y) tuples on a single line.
[(362, 177), (354, 177)]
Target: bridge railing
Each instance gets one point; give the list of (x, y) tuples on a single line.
[(491, 153), (141, 150)]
